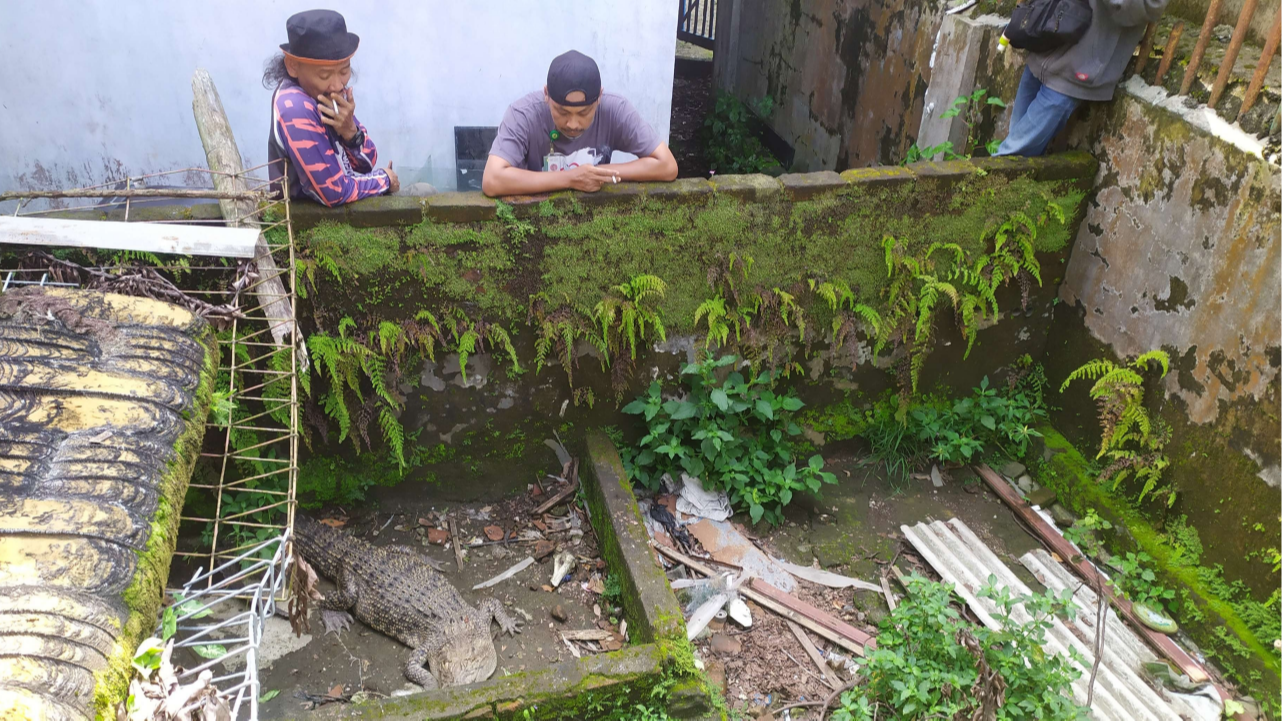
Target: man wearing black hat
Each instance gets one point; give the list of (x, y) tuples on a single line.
[(563, 137), (314, 126)]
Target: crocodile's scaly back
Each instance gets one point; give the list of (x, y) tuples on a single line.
[(396, 590), (325, 547)]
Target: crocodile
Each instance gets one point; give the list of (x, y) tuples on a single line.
[(402, 593)]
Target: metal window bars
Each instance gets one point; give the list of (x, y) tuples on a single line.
[(238, 540)]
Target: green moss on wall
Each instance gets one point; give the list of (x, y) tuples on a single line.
[(574, 258), (145, 592), (1225, 622)]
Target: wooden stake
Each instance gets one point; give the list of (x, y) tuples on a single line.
[(458, 544), (1262, 67), (223, 156), (1203, 38), (812, 652), (1230, 55), (1168, 53)]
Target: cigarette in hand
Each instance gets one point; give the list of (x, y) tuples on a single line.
[(335, 102), (615, 178)]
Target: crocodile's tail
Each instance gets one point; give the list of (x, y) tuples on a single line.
[(322, 546)]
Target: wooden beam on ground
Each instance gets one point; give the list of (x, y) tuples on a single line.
[(1060, 546), (751, 593), (813, 653), (223, 158), (147, 237)]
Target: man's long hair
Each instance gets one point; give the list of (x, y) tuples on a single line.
[(275, 72)]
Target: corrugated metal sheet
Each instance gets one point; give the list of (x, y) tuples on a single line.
[(1121, 693)]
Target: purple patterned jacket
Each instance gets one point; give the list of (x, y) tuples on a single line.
[(321, 167)]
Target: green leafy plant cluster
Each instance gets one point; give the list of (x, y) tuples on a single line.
[(1139, 583), (363, 371), (1131, 442), (624, 318), (990, 420), (931, 664), (971, 108), (731, 140), (732, 432)]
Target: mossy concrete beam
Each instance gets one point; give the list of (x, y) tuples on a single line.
[(804, 186), (460, 207), (754, 187), (649, 603), (551, 692)]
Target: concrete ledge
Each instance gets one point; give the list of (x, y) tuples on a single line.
[(1075, 165), (471, 207), (754, 187), (384, 210), (804, 186), (304, 214), (690, 189), (460, 207), (649, 604), (878, 177)]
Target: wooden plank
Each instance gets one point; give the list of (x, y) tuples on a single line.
[(768, 603), (885, 588), (813, 653), (821, 617), (223, 158), (1060, 546), (148, 237)]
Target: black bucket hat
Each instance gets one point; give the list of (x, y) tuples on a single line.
[(319, 35)]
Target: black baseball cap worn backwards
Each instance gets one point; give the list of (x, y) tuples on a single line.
[(319, 36), (574, 72)]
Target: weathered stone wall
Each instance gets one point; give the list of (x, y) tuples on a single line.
[(1180, 250), (847, 76)]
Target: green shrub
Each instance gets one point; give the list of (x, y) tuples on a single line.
[(930, 663), (735, 435), (990, 420), (730, 139)]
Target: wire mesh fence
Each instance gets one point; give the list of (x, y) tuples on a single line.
[(233, 547)]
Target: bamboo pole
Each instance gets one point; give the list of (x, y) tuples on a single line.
[(1262, 67), (1168, 53), (243, 195), (1230, 55), (1204, 37)]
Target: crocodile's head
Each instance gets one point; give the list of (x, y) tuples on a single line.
[(465, 658)]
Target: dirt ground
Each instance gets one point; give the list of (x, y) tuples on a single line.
[(854, 529), (361, 659), (691, 102)]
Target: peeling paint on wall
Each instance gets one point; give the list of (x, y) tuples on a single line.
[(1200, 219)]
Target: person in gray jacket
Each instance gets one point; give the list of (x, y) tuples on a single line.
[(1055, 83)]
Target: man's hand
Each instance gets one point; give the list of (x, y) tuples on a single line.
[(394, 183), (590, 178), (343, 120)]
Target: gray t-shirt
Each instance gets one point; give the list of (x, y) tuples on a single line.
[(523, 137)]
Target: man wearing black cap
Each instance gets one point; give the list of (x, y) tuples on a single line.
[(331, 156), (563, 137)]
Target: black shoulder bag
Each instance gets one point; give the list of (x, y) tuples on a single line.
[(1040, 26)]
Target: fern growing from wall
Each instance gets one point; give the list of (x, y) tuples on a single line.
[(1132, 443)]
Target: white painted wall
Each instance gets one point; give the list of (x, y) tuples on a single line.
[(93, 90)]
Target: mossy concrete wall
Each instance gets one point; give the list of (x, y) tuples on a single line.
[(1181, 251), (549, 261), (848, 77)]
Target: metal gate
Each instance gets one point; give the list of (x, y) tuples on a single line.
[(697, 22)]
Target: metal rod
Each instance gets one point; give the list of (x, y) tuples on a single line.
[(134, 193), (1230, 55), (1262, 67), (1146, 48), (1204, 37), (1168, 53)]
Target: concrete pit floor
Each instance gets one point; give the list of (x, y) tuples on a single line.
[(849, 529), (362, 658)]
